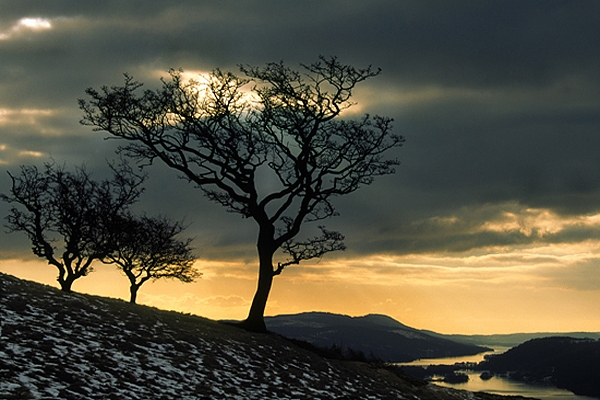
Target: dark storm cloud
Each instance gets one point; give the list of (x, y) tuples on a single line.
[(533, 156), (498, 101)]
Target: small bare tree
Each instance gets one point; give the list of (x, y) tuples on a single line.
[(270, 145), (57, 208), (148, 249)]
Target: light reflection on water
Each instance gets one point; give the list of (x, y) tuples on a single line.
[(506, 387), (497, 385), (452, 360)]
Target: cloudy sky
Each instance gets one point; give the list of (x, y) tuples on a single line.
[(491, 224)]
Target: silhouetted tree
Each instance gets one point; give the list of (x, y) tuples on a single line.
[(57, 208), (268, 145), (148, 248)]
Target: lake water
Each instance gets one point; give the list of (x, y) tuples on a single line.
[(498, 385)]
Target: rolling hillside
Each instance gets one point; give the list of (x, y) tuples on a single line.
[(74, 346), (378, 335)]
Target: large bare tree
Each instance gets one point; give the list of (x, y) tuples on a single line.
[(67, 215), (147, 248), (269, 144)]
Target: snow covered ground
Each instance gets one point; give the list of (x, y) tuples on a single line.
[(72, 346)]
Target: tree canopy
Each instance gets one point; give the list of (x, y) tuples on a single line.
[(269, 143), (67, 215), (147, 248)]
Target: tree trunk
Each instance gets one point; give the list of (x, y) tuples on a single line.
[(66, 283), (255, 321), (133, 290)]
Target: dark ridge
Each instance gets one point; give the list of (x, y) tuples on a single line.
[(568, 363), (378, 335)]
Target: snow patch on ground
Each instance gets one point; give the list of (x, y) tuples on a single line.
[(70, 346)]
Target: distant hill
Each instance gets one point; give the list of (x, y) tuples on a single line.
[(513, 339), (74, 346), (568, 363), (378, 335)]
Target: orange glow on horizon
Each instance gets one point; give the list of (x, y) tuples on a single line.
[(530, 287), (431, 292)]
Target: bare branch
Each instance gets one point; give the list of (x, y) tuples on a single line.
[(57, 208), (148, 249), (315, 247), (269, 144)]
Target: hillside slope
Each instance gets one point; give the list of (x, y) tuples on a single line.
[(373, 334), (73, 346)]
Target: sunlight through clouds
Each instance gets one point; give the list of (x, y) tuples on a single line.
[(24, 25), (419, 96), (34, 23), (491, 222), (25, 116), (30, 153), (494, 227), (529, 221), (9, 156), (187, 75), (41, 121), (555, 246)]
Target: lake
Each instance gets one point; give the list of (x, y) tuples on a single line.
[(497, 385)]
